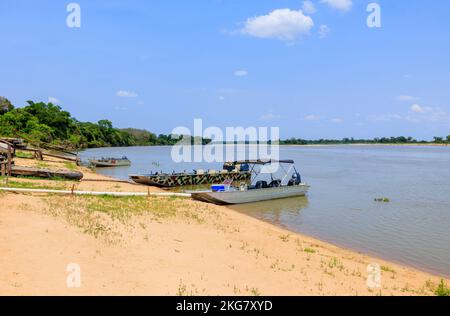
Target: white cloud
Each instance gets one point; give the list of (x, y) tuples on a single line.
[(309, 7), (282, 24), (312, 117), (126, 94), (337, 120), (140, 103), (384, 117), (269, 117), (404, 98), (341, 5), (428, 114), (221, 98), (416, 108), (417, 114), (323, 31), (241, 73), (53, 100)]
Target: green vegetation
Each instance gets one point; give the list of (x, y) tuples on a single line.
[(105, 216), (21, 154), (383, 140), (31, 185), (48, 123), (5, 105), (387, 269), (70, 166), (309, 250), (442, 289)]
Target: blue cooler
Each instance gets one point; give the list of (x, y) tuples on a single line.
[(218, 187)]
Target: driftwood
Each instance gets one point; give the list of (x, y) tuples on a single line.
[(61, 157), (45, 173), (58, 148)]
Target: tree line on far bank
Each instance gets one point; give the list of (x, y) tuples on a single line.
[(382, 140), (48, 123)]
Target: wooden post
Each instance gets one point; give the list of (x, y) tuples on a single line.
[(9, 164)]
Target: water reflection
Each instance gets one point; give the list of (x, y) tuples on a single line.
[(275, 211)]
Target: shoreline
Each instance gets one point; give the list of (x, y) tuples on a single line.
[(263, 253), (295, 145)]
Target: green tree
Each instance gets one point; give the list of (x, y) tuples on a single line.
[(5, 105)]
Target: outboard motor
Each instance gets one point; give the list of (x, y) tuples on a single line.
[(295, 180)]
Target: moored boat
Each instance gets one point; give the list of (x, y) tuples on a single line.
[(110, 162), (231, 171), (260, 191)]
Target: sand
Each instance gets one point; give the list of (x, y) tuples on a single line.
[(190, 248)]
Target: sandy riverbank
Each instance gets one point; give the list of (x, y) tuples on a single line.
[(170, 246)]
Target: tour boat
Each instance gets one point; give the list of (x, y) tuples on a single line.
[(235, 171), (260, 191)]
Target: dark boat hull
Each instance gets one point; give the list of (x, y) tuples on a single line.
[(45, 173), (178, 180)]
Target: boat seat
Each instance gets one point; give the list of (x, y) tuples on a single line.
[(261, 185), (275, 184)]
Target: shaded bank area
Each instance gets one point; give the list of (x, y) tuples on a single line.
[(171, 246)]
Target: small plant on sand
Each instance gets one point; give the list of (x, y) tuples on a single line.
[(255, 292), (107, 216), (182, 289), (309, 250), (387, 269), (70, 165), (31, 185), (42, 165), (442, 289), (285, 238), (335, 263), (21, 154)]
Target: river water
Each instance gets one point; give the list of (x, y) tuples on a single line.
[(412, 229)]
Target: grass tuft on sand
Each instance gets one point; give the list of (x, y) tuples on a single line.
[(31, 185), (106, 216), (442, 289)]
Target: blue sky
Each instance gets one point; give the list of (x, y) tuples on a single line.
[(160, 64)]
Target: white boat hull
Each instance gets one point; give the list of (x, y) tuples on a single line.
[(250, 196)]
